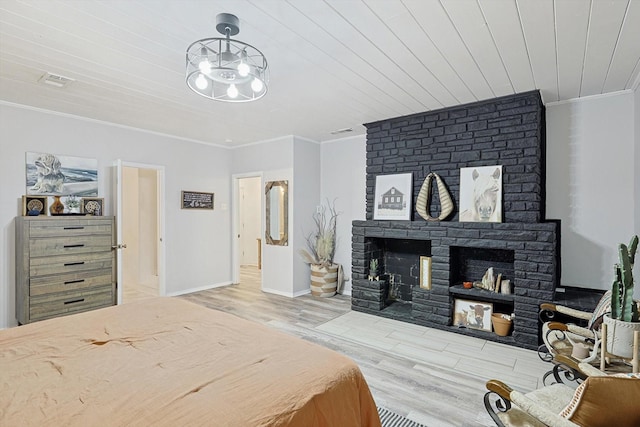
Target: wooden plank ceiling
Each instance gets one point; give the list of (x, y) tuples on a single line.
[(334, 63)]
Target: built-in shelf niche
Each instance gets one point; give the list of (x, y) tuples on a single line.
[(470, 264)]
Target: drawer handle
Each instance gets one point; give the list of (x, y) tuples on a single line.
[(73, 263), (74, 228), (73, 301), (74, 281), (79, 245)]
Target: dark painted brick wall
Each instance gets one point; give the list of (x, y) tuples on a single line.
[(507, 131)]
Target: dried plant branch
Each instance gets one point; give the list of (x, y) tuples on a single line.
[(321, 244)]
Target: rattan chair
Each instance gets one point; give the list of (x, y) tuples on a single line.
[(601, 400)]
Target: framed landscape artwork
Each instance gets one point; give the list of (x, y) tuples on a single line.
[(393, 196), (55, 175)]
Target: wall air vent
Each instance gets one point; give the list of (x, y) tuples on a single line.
[(339, 131), (55, 80)]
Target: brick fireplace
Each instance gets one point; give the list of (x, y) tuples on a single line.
[(507, 131)]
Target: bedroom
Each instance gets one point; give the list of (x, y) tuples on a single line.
[(592, 147)]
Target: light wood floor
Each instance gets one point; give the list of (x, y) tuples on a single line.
[(433, 377)]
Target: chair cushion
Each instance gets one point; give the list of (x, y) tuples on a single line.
[(606, 401), (603, 307)]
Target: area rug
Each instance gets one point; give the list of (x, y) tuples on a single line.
[(391, 419)]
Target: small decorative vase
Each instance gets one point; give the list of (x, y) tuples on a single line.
[(57, 207)]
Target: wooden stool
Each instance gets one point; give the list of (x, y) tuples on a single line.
[(635, 368)]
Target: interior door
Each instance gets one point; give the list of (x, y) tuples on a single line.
[(158, 265), (118, 213), (249, 220)]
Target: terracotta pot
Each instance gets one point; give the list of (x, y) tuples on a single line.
[(501, 326)]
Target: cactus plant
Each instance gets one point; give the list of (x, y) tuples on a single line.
[(373, 267), (622, 305)]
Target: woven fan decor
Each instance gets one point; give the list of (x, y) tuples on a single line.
[(424, 199)]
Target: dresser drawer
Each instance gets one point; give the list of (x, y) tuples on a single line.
[(64, 264), (69, 245), (44, 307), (69, 282), (70, 227)]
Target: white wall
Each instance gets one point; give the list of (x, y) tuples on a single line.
[(306, 197), (196, 242), (591, 167), (344, 176)]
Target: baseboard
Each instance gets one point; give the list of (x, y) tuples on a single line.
[(286, 294), (198, 289)]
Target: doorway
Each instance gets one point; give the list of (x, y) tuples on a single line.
[(248, 229), (141, 227)]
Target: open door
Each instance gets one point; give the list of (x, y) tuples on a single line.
[(120, 245), (127, 215)]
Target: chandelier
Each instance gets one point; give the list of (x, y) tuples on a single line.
[(225, 69)]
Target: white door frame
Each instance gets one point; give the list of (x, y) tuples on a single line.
[(235, 221), (119, 164)]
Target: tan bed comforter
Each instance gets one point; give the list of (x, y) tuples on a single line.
[(170, 362)]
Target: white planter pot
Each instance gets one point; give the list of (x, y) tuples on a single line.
[(324, 280), (620, 336)]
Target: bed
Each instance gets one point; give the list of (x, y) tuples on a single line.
[(167, 361)]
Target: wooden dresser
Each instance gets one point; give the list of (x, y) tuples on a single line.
[(64, 265)]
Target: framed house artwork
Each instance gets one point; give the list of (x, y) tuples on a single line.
[(481, 194), (34, 205), (54, 175), (393, 196), (472, 314)]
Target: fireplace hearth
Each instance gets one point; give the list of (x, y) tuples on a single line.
[(524, 248)]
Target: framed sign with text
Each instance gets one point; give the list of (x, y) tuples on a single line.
[(197, 200)]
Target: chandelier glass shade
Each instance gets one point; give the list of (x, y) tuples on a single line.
[(224, 69)]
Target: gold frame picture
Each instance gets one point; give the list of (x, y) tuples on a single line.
[(34, 203), (425, 272), (92, 206)]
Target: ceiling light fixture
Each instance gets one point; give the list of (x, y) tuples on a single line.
[(224, 69)]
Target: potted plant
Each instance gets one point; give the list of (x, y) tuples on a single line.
[(73, 204), (625, 313), (373, 269), (321, 248)]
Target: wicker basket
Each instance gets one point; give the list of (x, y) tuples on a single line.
[(324, 280)]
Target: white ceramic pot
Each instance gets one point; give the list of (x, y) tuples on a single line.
[(620, 336)]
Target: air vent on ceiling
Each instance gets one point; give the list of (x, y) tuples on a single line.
[(55, 80), (339, 131)]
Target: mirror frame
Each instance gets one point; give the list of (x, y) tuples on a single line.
[(284, 241)]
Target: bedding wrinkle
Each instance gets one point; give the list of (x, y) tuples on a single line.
[(169, 362)]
